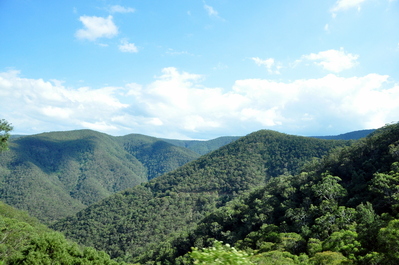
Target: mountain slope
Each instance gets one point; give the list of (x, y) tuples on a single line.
[(203, 147), (134, 221), (355, 135), (156, 155), (345, 205), (25, 241), (52, 175)]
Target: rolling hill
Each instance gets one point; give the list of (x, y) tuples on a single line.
[(53, 175), (342, 209), (355, 135), (135, 221), (203, 147)]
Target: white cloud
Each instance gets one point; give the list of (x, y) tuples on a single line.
[(96, 27), (125, 46), (268, 63), (333, 60), (176, 105), (121, 9), (211, 12), (341, 5), (52, 106)]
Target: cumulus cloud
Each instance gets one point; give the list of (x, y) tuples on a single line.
[(96, 27), (125, 46), (45, 105), (333, 60), (268, 63), (121, 9), (177, 105)]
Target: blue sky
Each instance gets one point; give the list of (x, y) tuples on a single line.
[(193, 69)]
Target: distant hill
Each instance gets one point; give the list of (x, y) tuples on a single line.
[(52, 175), (355, 135), (133, 222), (157, 156), (203, 147)]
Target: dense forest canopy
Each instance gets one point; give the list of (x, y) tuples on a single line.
[(135, 221), (341, 209), (53, 175), (266, 198)]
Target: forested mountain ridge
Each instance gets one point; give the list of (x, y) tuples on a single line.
[(53, 175), (158, 156), (203, 147), (133, 222), (355, 135), (341, 209)]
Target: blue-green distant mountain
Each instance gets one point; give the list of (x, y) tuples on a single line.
[(355, 135), (203, 147)]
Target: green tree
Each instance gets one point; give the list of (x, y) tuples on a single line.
[(329, 258), (329, 189), (5, 128), (388, 239), (344, 241)]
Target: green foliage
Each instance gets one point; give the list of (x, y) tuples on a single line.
[(339, 211), (52, 248), (5, 128), (158, 156), (203, 147), (345, 242), (53, 175), (329, 258), (388, 239), (131, 225), (23, 240), (328, 188)]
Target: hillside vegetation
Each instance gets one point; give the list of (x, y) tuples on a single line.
[(157, 156), (53, 175), (203, 147), (23, 240), (342, 209), (134, 222)]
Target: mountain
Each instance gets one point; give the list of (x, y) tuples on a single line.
[(341, 209), (157, 156), (355, 135), (203, 147), (135, 221), (53, 175)]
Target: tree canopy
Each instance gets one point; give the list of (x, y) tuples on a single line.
[(5, 128)]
